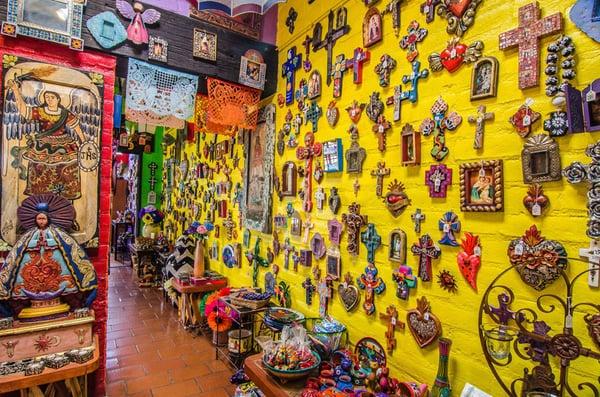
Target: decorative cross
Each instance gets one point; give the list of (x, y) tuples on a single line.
[(229, 224), (437, 125), (438, 178), (405, 281), (307, 153), (332, 35), (372, 284), (593, 256), (371, 240), (502, 314), (380, 173), (393, 7), (391, 316), (276, 243), (449, 224), (288, 71), (479, 120), (527, 37), (320, 198), (153, 166), (337, 73), (427, 251), (152, 181), (356, 63), (312, 114), (256, 261), (288, 249), (428, 9), (307, 225), (380, 129), (309, 289), (307, 65), (296, 259), (415, 35), (384, 69), (354, 221), (411, 95)]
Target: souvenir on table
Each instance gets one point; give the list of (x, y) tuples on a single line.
[(356, 63), (48, 284), (585, 14), (583, 108), (459, 14), (52, 126), (447, 282), (355, 111), (106, 29), (527, 38), (426, 250), (260, 147), (333, 263), (415, 35), (397, 248), (317, 245), (424, 326), (333, 114), (55, 21), (418, 217), (396, 200), (455, 55), (482, 186), (384, 69), (410, 95), (541, 160), (372, 27), (438, 178), (448, 225), (158, 49), (348, 293), (374, 107), (405, 281), (253, 70), (540, 262), (524, 119), (333, 155), (391, 316), (484, 78), (380, 172), (337, 27), (411, 146), (204, 45), (288, 71), (337, 74), (479, 121), (469, 258), (438, 124), (354, 221), (307, 153), (372, 240), (355, 157), (289, 176), (334, 200), (372, 284)]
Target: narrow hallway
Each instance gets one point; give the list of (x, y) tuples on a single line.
[(149, 353)]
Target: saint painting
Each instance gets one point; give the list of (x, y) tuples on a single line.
[(52, 124), (482, 191)]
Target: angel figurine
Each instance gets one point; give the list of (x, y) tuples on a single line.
[(136, 31)]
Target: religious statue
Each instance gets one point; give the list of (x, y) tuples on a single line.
[(46, 274)]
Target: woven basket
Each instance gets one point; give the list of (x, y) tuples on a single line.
[(250, 304)]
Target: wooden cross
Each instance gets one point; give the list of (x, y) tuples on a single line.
[(337, 73), (527, 37), (332, 35), (414, 36), (380, 129), (428, 9), (288, 249), (229, 224), (479, 120), (307, 65), (307, 153), (372, 284), (307, 225), (380, 173), (354, 221), (309, 289), (356, 63), (320, 198), (312, 114), (356, 187), (411, 95), (426, 250), (393, 7), (288, 71), (593, 256), (371, 240), (391, 316)]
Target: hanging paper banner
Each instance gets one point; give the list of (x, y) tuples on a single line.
[(231, 107), (159, 96), (238, 7)]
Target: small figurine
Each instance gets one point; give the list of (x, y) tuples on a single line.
[(136, 31)]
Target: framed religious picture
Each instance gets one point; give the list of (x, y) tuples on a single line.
[(482, 186), (484, 78), (289, 176), (51, 142), (372, 27), (253, 70), (411, 146), (333, 263), (355, 157), (158, 49), (58, 21), (397, 248), (541, 160), (258, 178), (314, 85), (296, 224), (205, 45)]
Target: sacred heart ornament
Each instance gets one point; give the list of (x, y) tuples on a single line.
[(455, 55), (396, 199), (469, 259), (452, 57), (458, 7), (333, 114), (536, 201), (423, 325), (355, 111), (538, 261), (348, 293)]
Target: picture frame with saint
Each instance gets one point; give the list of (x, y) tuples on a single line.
[(481, 186)]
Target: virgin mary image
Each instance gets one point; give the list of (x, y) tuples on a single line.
[(46, 274)]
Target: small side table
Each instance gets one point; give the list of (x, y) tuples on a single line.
[(189, 314), (140, 255), (270, 386)]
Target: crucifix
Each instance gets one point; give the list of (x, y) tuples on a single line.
[(372, 284), (384, 69), (320, 198), (354, 221), (312, 114), (333, 34), (428, 9), (479, 120), (527, 37), (309, 289), (288, 71), (438, 178), (411, 95), (337, 73), (426, 250), (380, 173), (307, 225), (307, 153), (229, 224), (307, 65), (288, 249), (371, 240), (325, 291), (356, 63), (380, 129), (391, 316), (256, 261), (393, 7)]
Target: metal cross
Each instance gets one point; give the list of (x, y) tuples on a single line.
[(449, 224), (307, 153), (391, 316), (307, 65), (153, 166), (337, 73), (593, 256), (393, 7), (380, 173), (309, 289), (426, 250), (356, 63), (479, 120), (502, 314), (384, 68), (312, 114), (332, 35), (428, 9), (230, 225), (411, 95), (288, 71), (380, 129), (371, 240), (414, 36)]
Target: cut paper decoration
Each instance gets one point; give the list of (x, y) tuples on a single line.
[(231, 107)]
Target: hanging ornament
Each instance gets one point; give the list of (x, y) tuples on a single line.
[(447, 281), (469, 259)]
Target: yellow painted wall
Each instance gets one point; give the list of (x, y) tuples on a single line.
[(564, 221)]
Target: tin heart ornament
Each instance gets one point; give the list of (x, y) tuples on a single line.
[(348, 293), (423, 325), (333, 114), (469, 259)]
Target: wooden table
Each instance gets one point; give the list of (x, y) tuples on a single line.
[(270, 386), (73, 375), (189, 314), (116, 230)]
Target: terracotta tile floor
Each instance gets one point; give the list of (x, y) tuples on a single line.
[(149, 353)]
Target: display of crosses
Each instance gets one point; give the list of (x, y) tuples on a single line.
[(371, 240), (288, 71), (380, 172), (334, 33), (426, 250), (356, 63), (337, 74), (411, 95), (307, 153)]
